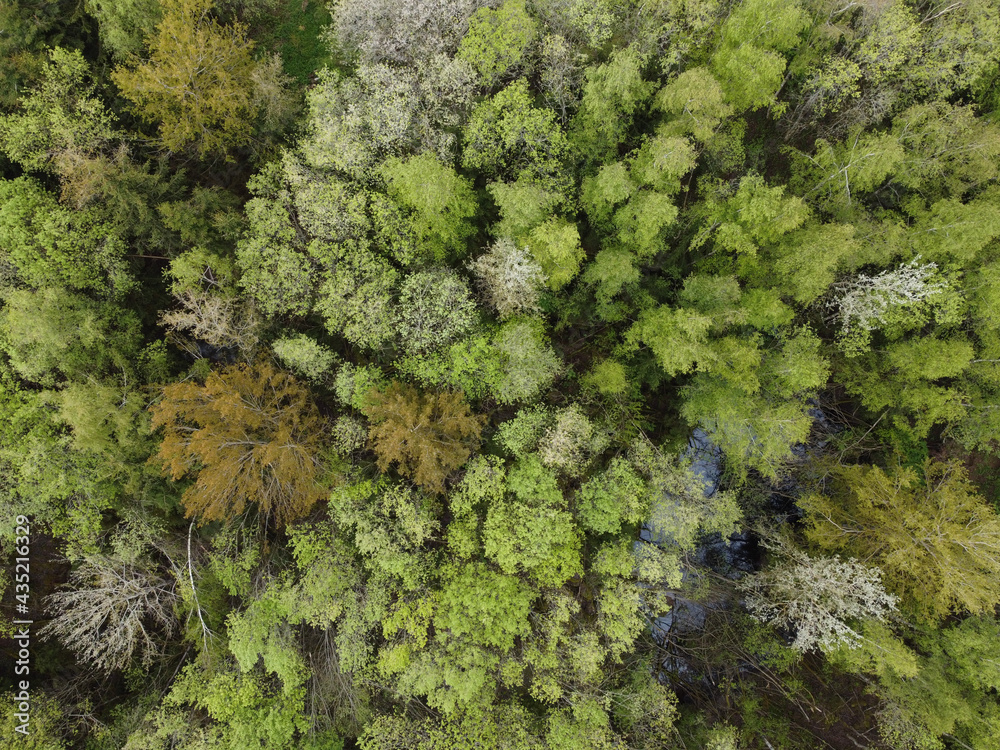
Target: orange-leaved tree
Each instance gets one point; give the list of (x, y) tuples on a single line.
[(428, 435), (251, 435)]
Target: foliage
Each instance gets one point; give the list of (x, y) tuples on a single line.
[(55, 334), (45, 244), (426, 435), (200, 82), (932, 536), (250, 434), (61, 121), (612, 497), (588, 299), (530, 364), (400, 31), (555, 245), (124, 25)]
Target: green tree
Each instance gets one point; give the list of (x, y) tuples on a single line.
[(51, 245), (555, 245), (508, 135), (304, 355), (497, 40), (696, 101), (125, 25), (61, 120), (615, 496), (612, 95), (200, 83), (440, 201), (355, 297), (933, 536), (529, 362), (747, 61), (533, 532), (54, 335), (31, 27)]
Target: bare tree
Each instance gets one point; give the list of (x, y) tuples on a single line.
[(112, 611), (217, 320)]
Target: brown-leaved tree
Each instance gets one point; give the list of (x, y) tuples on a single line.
[(251, 435), (427, 435)]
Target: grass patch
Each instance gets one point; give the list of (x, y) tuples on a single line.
[(294, 31)]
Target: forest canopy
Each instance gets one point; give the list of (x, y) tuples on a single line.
[(501, 374)]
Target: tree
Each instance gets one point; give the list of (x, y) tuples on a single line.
[(570, 442), (509, 278), (817, 596), (555, 245), (488, 608), (355, 299), (746, 61), (113, 610), (696, 100), (401, 31), (125, 25), (934, 537), (61, 120), (754, 216), (497, 40), (200, 82), (250, 434), (612, 95), (524, 204), (219, 320), (54, 335), (435, 308), (51, 245), (529, 365), (240, 710), (304, 355), (426, 435), (31, 27), (440, 202), (614, 496), (357, 122), (870, 302), (532, 531), (271, 255), (508, 135)]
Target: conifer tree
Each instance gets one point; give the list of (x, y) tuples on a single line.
[(250, 434)]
